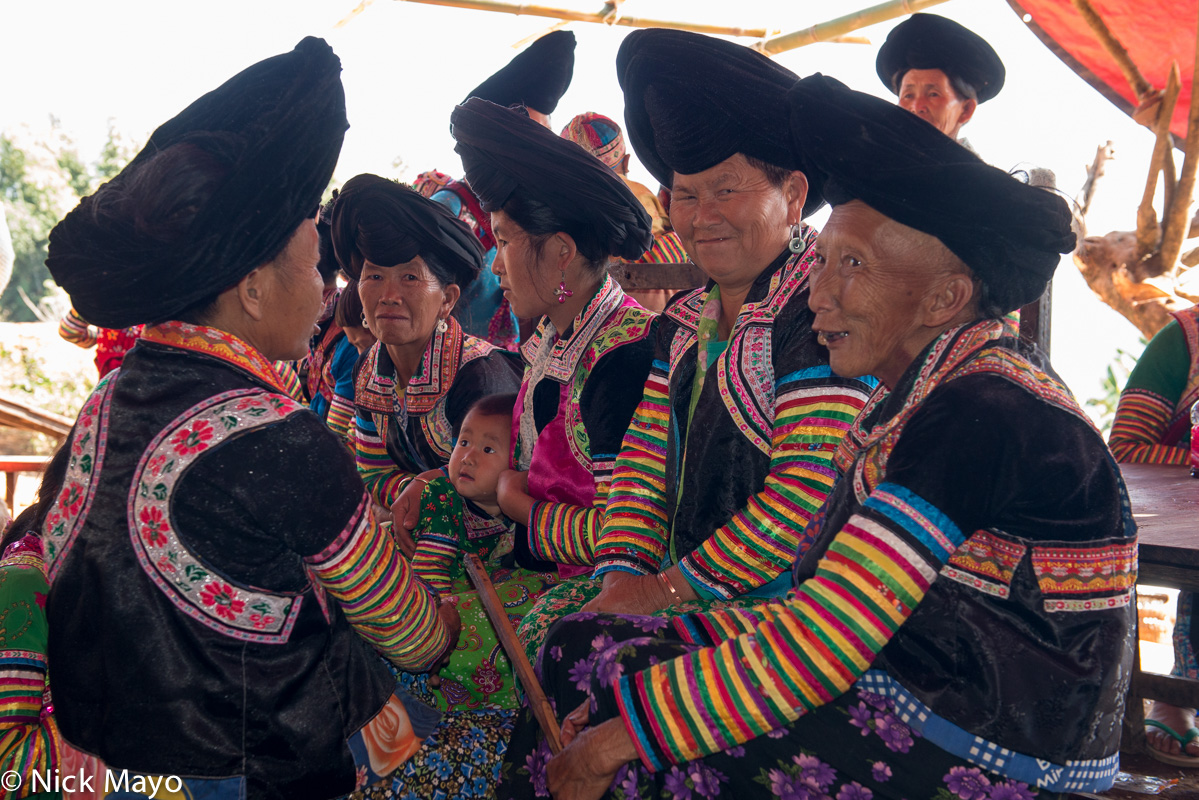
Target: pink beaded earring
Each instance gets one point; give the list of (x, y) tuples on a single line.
[(562, 292)]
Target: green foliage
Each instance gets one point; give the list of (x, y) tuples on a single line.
[(38, 185), (1113, 383), (24, 376)]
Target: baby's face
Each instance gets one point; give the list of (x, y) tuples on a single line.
[(480, 455)]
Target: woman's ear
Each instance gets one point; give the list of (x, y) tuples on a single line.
[(795, 189), (251, 293), (452, 293), (949, 300), (563, 249)]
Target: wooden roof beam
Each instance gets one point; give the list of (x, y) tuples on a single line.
[(836, 28)]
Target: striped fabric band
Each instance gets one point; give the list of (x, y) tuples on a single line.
[(340, 418), (378, 471), (802, 652), (1142, 419), (379, 594), (1094, 775)]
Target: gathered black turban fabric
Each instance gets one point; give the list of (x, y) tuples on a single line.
[(1009, 233), (929, 41), (537, 77), (386, 223), (266, 140), (692, 101), (503, 152)]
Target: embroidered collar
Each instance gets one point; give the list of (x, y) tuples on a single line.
[(564, 354), (972, 348), (219, 345), (376, 389), (764, 299)]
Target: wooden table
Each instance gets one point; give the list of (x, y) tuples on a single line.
[(1165, 503), (10, 466)]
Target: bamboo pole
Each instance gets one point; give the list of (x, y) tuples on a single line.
[(1177, 213), (521, 9), (1148, 232), (826, 31), (539, 704), (1113, 47)]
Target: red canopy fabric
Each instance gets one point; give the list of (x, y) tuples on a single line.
[(1154, 33)]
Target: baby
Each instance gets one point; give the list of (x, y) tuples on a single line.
[(460, 514)]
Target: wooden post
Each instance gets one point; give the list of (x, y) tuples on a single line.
[(1114, 48), (1148, 232), (538, 702), (1178, 212)]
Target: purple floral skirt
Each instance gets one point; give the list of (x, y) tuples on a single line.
[(854, 748)]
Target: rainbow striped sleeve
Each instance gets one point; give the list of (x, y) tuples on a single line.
[(380, 474), (813, 410), (635, 536), (1142, 418), (564, 532), (340, 418), (75, 330), (379, 593), (803, 652), (290, 380)]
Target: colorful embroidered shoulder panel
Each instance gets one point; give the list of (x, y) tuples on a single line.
[(1188, 320), (191, 586), (745, 371), (217, 344), (88, 440), (967, 350)]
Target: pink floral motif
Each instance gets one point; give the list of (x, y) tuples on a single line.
[(165, 565), (71, 499), (260, 621), (193, 439), (220, 596), (487, 678), (154, 526), (156, 464), (248, 402)]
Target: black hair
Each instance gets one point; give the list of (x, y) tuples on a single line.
[(348, 311), (30, 520), (540, 222), (379, 240), (775, 175), (327, 264), (492, 405)]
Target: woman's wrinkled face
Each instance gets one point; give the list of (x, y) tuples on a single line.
[(731, 220), (929, 94), (292, 298), (517, 266), (871, 283), (404, 302)]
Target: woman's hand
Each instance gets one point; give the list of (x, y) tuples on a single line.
[(406, 511), (448, 612), (585, 769), (512, 494), (640, 594), (575, 723)]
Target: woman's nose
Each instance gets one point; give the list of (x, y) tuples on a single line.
[(821, 287)]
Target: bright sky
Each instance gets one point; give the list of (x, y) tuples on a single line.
[(138, 62)]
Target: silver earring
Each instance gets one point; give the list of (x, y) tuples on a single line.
[(796, 245), (442, 326)]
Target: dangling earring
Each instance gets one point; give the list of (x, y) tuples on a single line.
[(442, 326), (796, 245), (562, 292)]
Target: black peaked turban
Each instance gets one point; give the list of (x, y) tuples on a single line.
[(1010, 234), (692, 101), (386, 223), (536, 77), (930, 41), (504, 151), (278, 125)]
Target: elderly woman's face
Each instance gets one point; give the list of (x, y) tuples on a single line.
[(878, 290), (732, 221), (292, 295), (404, 302)]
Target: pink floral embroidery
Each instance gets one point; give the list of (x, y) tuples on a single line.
[(156, 463), (165, 565), (71, 499), (193, 439), (260, 621), (154, 526), (220, 596)]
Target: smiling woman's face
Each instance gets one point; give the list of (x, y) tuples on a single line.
[(732, 220), (403, 303)]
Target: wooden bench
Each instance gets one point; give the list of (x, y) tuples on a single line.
[(11, 466)]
